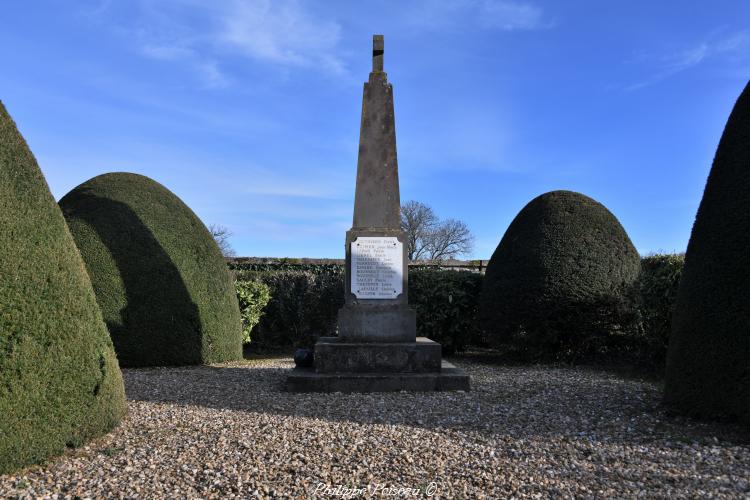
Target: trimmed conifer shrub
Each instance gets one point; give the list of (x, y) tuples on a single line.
[(708, 359), (560, 281), (60, 383), (159, 277)]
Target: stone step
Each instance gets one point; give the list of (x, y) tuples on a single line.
[(449, 378), (333, 355)]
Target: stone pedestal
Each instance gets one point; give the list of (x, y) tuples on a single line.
[(333, 355), (377, 348), (383, 318), (449, 378)]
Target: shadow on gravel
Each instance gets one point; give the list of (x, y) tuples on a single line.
[(613, 365), (517, 401)]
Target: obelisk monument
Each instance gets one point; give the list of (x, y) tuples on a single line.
[(376, 307), (377, 348)]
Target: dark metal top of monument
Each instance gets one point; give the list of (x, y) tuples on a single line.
[(377, 53), (376, 199)]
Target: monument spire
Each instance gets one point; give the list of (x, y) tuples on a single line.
[(376, 199), (376, 348), (377, 53)]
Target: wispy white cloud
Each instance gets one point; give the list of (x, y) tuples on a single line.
[(166, 52), (689, 58), (311, 184), (735, 42), (510, 15), (289, 34), (202, 35), (733, 47), (282, 208), (281, 32), (207, 68), (211, 74), (503, 15), (260, 232), (94, 9)]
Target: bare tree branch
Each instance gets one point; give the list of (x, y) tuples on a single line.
[(418, 221), (450, 239), (221, 235), (430, 238)]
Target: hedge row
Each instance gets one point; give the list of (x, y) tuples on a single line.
[(303, 305), (658, 284)]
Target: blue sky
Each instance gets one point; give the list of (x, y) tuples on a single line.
[(249, 110)]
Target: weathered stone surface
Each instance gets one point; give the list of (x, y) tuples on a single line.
[(377, 52), (335, 356), (377, 323), (377, 199), (449, 378)]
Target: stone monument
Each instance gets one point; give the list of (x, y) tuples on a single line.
[(377, 348)]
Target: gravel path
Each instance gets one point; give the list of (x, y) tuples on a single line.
[(229, 431)]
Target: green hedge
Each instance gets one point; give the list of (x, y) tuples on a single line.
[(60, 383), (159, 276), (242, 267), (304, 301), (446, 303), (708, 364), (304, 304), (559, 283), (658, 285)]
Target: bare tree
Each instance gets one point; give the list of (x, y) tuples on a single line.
[(418, 221), (450, 239), (430, 238), (221, 235)]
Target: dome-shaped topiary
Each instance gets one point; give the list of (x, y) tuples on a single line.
[(60, 384), (708, 359), (162, 284), (557, 280)]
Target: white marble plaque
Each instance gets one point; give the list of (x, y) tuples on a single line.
[(377, 267)]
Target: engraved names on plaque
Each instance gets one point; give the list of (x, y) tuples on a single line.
[(377, 267)]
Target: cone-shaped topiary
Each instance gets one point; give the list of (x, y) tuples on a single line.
[(708, 359), (159, 277), (60, 384), (557, 281)]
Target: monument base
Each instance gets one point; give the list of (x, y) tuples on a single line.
[(449, 378), (383, 322), (344, 366), (337, 355)]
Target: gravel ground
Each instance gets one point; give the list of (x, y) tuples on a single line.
[(230, 431)]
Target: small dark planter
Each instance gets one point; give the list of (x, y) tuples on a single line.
[(304, 357)]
